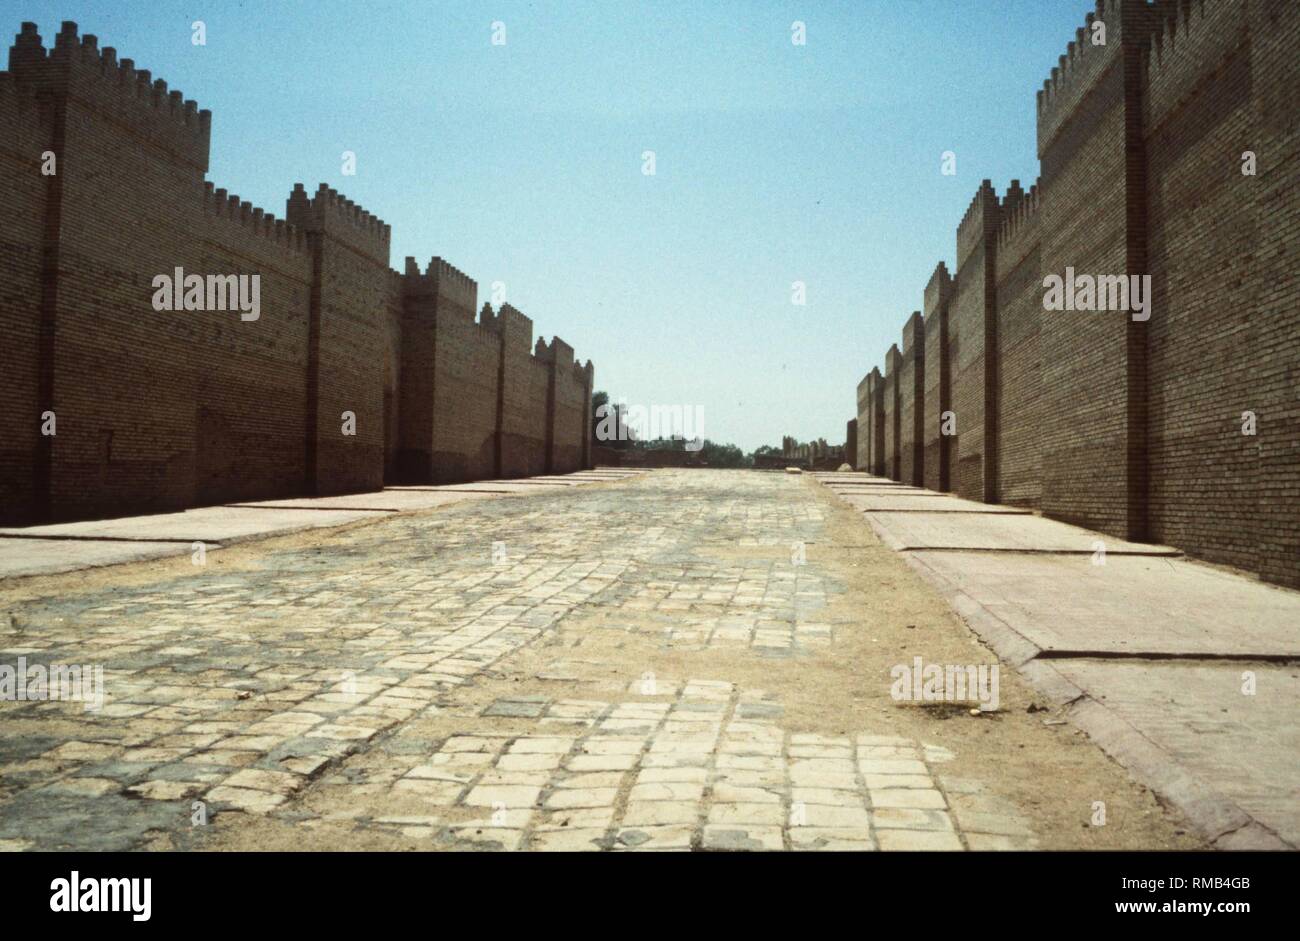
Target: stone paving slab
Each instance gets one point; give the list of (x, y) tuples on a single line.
[(1242, 745), (839, 484), (485, 487), (522, 486), (844, 480), (388, 500), (895, 491), (541, 482), (589, 474), (1003, 532), (224, 524), (924, 503), (21, 557), (1130, 606)]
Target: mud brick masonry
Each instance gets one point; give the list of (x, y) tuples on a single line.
[(163, 410), (1131, 428)]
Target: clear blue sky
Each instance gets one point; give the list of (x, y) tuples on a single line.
[(522, 163)]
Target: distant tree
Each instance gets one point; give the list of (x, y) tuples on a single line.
[(599, 402), (724, 455), (613, 416), (617, 434)]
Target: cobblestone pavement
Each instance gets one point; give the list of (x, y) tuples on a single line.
[(705, 768), (497, 675)]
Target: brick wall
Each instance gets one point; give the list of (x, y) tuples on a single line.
[(972, 320), (523, 399), (250, 405), (393, 316), (576, 433), (104, 245), (1020, 312), (467, 356), (1083, 117), (1202, 334), (851, 443), (163, 409), (876, 397), (537, 378), (423, 294), (347, 342), (862, 454), (911, 399), (937, 382), (569, 414), (1134, 427), (892, 419), (1275, 89), (25, 132)]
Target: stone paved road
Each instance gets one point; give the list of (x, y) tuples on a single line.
[(692, 659)]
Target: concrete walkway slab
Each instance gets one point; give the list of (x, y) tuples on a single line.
[(1244, 747), (224, 524), (481, 486), (891, 492), (20, 557), (925, 503), (1001, 532), (860, 482), (1131, 606), (384, 501), (874, 487)]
